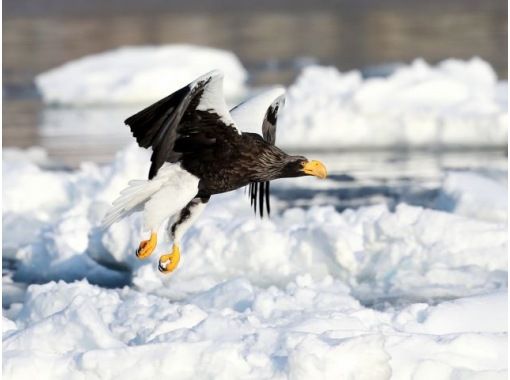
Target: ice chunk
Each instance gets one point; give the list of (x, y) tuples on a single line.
[(78, 330), (456, 103), (141, 74), (473, 194)]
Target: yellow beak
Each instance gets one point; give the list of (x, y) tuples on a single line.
[(315, 168)]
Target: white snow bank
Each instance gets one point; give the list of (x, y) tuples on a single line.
[(305, 330), (475, 195), (407, 254), (138, 74), (456, 103), (279, 298)]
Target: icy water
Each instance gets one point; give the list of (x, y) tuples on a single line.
[(272, 44)]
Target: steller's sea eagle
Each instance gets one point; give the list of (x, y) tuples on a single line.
[(198, 150)]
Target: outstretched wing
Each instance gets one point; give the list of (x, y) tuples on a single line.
[(270, 119), (248, 115), (182, 119)]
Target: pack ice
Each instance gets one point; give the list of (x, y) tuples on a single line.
[(370, 293), (455, 103), (376, 292)]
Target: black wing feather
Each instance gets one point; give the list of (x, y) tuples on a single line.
[(261, 198), (270, 119), (268, 207), (146, 124), (161, 125), (269, 134)]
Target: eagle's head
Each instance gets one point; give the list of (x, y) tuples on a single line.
[(298, 166)]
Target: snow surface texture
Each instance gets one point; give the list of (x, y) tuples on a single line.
[(306, 330), (282, 298), (456, 103), (138, 75)]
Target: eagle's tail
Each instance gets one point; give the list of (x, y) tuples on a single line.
[(133, 196)]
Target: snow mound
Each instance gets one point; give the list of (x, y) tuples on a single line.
[(472, 194), (409, 253), (456, 103), (138, 75), (453, 104), (364, 294), (308, 329)]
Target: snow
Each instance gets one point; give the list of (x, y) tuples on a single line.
[(308, 329), (366, 293), (470, 194), (377, 291), (137, 74), (456, 103)]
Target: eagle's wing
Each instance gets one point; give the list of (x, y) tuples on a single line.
[(181, 120), (271, 118), (264, 107)]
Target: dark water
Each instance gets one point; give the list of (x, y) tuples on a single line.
[(273, 40)]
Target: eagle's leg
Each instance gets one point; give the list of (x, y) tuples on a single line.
[(147, 246), (187, 216)]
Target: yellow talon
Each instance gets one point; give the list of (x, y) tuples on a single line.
[(168, 263), (147, 246)]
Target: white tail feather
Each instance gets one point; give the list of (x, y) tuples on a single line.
[(137, 192), (164, 195)]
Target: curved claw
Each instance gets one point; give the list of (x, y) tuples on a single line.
[(168, 263), (147, 247)]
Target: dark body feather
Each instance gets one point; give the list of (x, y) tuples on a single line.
[(233, 161), (210, 147)]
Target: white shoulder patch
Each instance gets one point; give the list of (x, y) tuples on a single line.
[(250, 114), (213, 99)]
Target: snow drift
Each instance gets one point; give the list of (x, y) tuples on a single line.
[(410, 252), (375, 292), (456, 103), (305, 330), (137, 75), (296, 296), (453, 104)]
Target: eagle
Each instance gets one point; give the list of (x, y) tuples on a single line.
[(199, 150)]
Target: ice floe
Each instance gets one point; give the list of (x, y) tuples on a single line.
[(367, 293), (306, 329), (376, 292), (411, 252), (453, 104), (456, 103), (138, 74)]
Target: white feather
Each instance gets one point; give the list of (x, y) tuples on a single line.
[(163, 196), (250, 114), (212, 97)]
